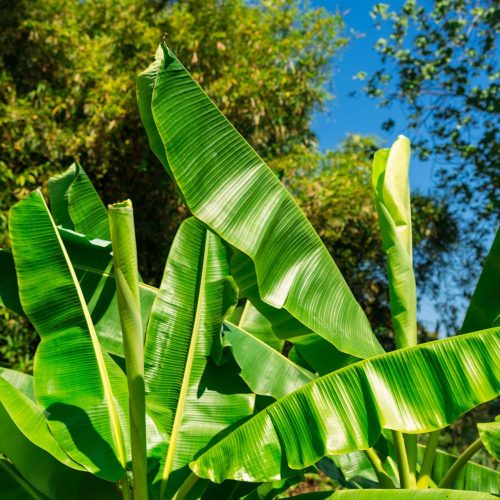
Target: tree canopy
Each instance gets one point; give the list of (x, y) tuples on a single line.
[(67, 89), (440, 59)]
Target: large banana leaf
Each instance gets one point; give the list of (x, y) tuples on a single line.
[(473, 476), (484, 307), (82, 391), (392, 198), (191, 398), (413, 390), (251, 320), (39, 461), (229, 187), (76, 205), (266, 371), (92, 261)]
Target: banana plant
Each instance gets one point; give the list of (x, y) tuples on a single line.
[(188, 390), (146, 415), (416, 389)]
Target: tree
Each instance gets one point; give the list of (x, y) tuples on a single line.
[(67, 90), (441, 63)]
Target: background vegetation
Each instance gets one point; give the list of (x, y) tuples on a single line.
[(67, 92)]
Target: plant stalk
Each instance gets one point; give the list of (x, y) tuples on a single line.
[(428, 460), (383, 478), (403, 467), (459, 463), (186, 487), (20, 480), (125, 488), (121, 222), (411, 453)]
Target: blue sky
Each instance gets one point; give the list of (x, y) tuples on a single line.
[(360, 114)]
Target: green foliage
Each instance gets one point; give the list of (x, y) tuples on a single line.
[(209, 384), (71, 96), (441, 61), (198, 406)]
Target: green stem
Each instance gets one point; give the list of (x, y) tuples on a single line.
[(125, 488), (411, 453), (454, 470), (403, 468), (20, 480), (382, 476), (121, 222), (428, 460), (186, 487)]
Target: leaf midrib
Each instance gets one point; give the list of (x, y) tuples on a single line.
[(179, 412), (108, 393)]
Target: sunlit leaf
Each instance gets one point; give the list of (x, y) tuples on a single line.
[(228, 187), (82, 391), (265, 370), (413, 390), (188, 395), (392, 198)]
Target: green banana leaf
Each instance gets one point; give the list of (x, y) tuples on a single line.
[(92, 262), (252, 321), (473, 476), (43, 472), (484, 307), (14, 486), (75, 204), (227, 186), (283, 324), (266, 371), (392, 199), (489, 432), (316, 354), (145, 84), (37, 461), (82, 391), (412, 390), (395, 495), (18, 401), (189, 396), (356, 465)]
